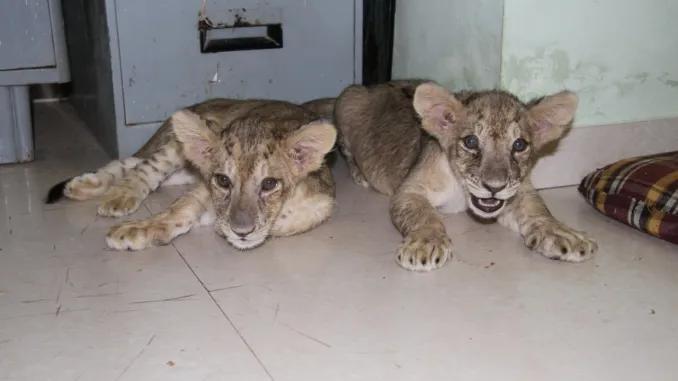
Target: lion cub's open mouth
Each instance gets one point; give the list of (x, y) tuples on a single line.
[(487, 205)]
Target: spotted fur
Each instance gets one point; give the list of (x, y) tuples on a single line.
[(247, 141)]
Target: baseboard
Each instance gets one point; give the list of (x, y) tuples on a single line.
[(587, 148)]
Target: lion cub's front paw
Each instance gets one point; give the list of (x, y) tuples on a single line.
[(120, 202), (424, 252), (138, 235), (557, 241)]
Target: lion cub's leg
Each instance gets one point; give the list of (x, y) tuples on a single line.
[(310, 205), (125, 196), (91, 185), (162, 228), (426, 245), (541, 232)]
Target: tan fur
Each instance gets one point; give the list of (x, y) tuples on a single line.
[(162, 228), (91, 185), (407, 139), (324, 107), (248, 141)]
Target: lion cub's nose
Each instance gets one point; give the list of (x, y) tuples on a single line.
[(494, 187), (242, 223)]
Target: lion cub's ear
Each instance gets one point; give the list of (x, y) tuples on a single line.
[(551, 116), (198, 140), (439, 110), (307, 146)]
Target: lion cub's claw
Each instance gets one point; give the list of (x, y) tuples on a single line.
[(424, 252), (557, 241)]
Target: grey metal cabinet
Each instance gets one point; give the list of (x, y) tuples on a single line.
[(32, 50), (142, 60)]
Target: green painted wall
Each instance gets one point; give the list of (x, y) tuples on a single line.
[(620, 56), (455, 42)]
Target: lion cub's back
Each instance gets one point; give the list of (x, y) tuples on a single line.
[(382, 131), (266, 113), (223, 112)]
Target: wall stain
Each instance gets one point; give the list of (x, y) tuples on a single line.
[(664, 78), (560, 71), (551, 68), (641, 77)]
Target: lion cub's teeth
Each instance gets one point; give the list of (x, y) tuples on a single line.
[(489, 201)]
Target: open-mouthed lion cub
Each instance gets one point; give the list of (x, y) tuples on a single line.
[(429, 149), (260, 171)]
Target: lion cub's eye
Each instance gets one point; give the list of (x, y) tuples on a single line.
[(470, 141), (269, 184), (519, 145), (223, 181)]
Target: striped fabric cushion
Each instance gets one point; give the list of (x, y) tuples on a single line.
[(641, 192)]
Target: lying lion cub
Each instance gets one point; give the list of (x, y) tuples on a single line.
[(260, 170), (428, 149)]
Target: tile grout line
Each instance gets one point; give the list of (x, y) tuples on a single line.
[(223, 313), (242, 338)]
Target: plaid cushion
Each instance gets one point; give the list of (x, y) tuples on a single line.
[(641, 192)]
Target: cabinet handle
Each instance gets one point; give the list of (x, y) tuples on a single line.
[(215, 39)]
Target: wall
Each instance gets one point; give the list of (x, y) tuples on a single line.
[(620, 56), (455, 42)]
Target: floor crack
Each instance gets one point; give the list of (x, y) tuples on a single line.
[(172, 299), (141, 352), (306, 335), (225, 315)]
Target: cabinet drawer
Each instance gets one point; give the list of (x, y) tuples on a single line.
[(25, 35), (163, 67)]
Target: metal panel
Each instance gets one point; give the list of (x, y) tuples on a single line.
[(16, 134), (162, 68), (25, 35), (92, 87), (48, 74)]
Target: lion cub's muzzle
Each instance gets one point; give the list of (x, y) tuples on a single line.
[(493, 202), (242, 230), (488, 199), (244, 241)]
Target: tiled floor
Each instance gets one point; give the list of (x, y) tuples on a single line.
[(328, 305)]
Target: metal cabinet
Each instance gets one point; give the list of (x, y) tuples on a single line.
[(153, 57), (32, 50)]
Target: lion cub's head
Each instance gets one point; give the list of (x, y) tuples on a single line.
[(252, 167), (491, 138)]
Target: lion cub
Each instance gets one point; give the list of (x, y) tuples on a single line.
[(259, 167), (430, 149)]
